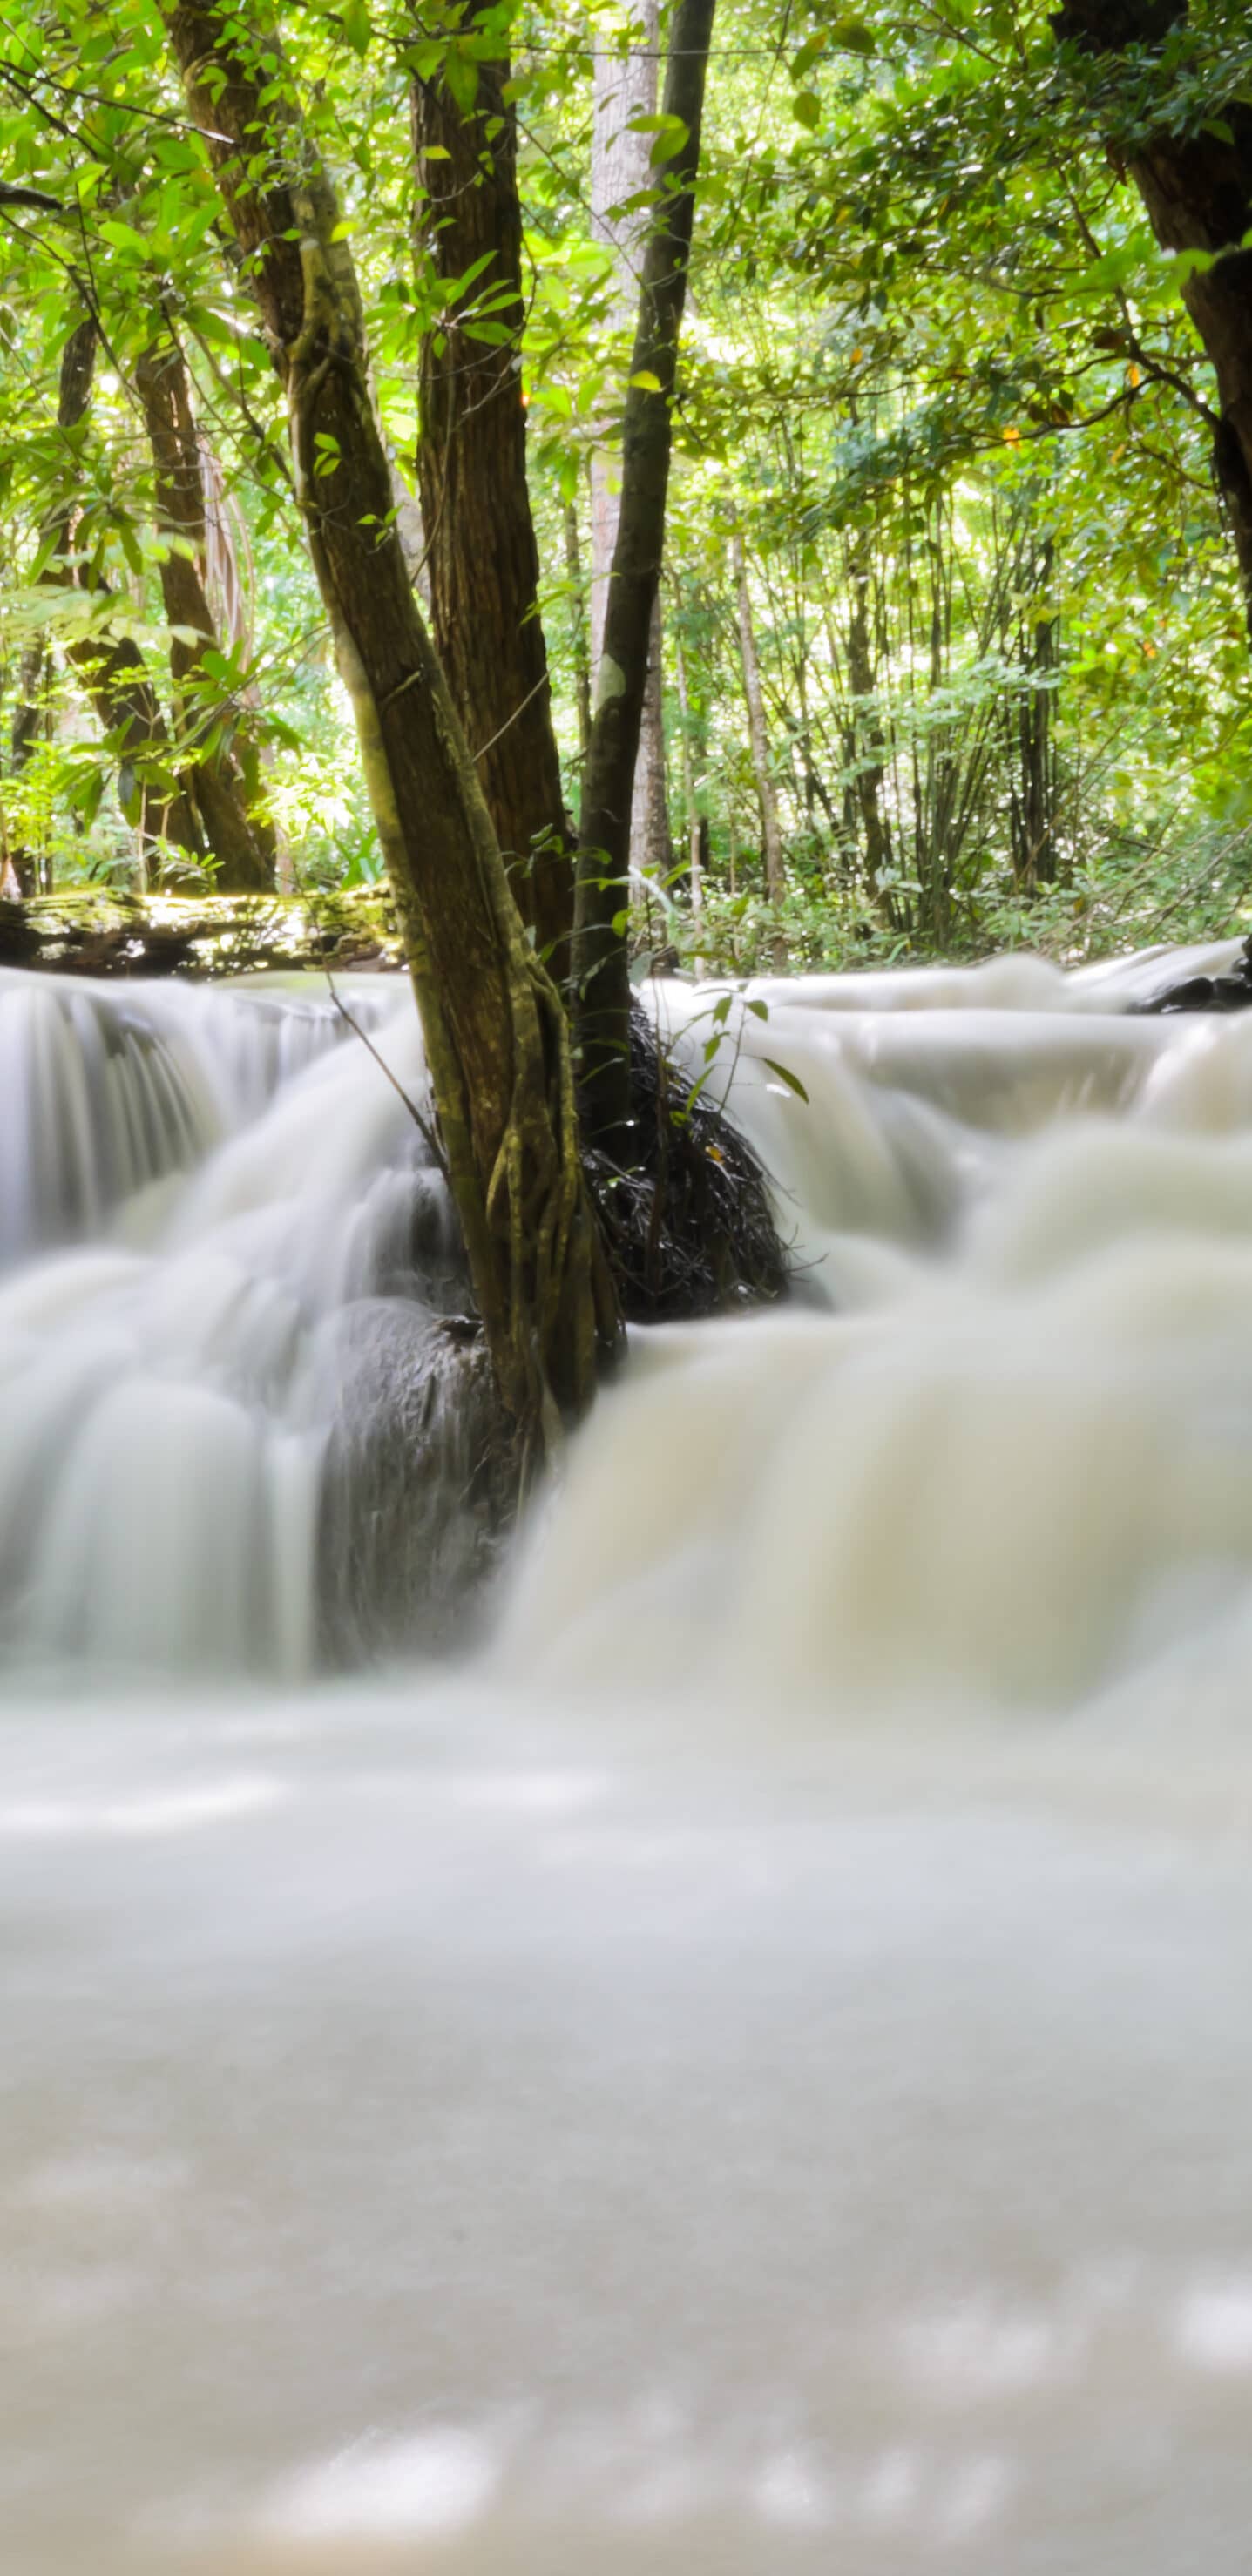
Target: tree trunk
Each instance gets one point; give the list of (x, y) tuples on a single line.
[(869, 751), (695, 835), (771, 836), (579, 634), (483, 559), (495, 1035), (112, 669), (1032, 792), (651, 840), (621, 169), (601, 965), (1197, 190), (27, 867), (223, 773)]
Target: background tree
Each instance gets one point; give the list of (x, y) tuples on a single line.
[(601, 967), (624, 134)]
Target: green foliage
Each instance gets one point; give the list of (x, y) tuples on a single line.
[(939, 378)]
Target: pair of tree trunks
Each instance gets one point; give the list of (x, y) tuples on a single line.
[(601, 961), (182, 790), (495, 1034), (1197, 190), (112, 669)]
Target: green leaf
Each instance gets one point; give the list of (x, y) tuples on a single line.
[(647, 382), (806, 107), (669, 144), (355, 21), (792, 1080), (852, 36), (122, 236)]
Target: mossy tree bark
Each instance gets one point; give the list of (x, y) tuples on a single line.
[(495, 1034), (223, 776), (601, 966), (1197, 189), (482, 557)]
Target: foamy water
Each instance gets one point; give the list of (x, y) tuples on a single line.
[(754, 2072)]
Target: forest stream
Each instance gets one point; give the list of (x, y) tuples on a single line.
[(746, 2066)]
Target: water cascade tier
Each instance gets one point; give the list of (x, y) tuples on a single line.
[(749, 2070)]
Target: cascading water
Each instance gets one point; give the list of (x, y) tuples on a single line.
[(752, 2072), (197, 1402)]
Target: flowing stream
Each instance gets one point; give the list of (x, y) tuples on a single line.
[(750, 2067)]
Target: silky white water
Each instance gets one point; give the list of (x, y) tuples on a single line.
[(753, 2070)]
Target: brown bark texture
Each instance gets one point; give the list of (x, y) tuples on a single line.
[(482, 558), (221, 766), (495, 1035), (601, 966), (1197, 190)]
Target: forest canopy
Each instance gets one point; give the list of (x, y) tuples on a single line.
[(952, 647)]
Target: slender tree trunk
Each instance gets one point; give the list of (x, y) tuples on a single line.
[(651, 840), (495, 1034), (625, 92), (223, 776), (25, 866), (694, 839), (771, 835), (579, 633), (112, 669), (483, 559), (1032, 811), (868, 746), (601, 964), (1197, 190)]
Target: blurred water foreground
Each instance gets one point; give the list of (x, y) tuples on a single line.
[(751, 2069)]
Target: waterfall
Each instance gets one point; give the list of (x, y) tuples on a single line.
[(229, 1444), (227, 1345), (751, 2070)]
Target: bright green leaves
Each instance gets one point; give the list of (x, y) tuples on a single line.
[(354, 18), (670, 137)]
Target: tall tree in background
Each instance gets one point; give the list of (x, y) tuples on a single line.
[(625, 95), (495, 1035), (601, 958), (482, 558), (758, 737), (224, 777)]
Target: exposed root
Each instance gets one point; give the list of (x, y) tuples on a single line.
[(691, 1230)]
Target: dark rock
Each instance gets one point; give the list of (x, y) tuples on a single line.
[(1232, 992)]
